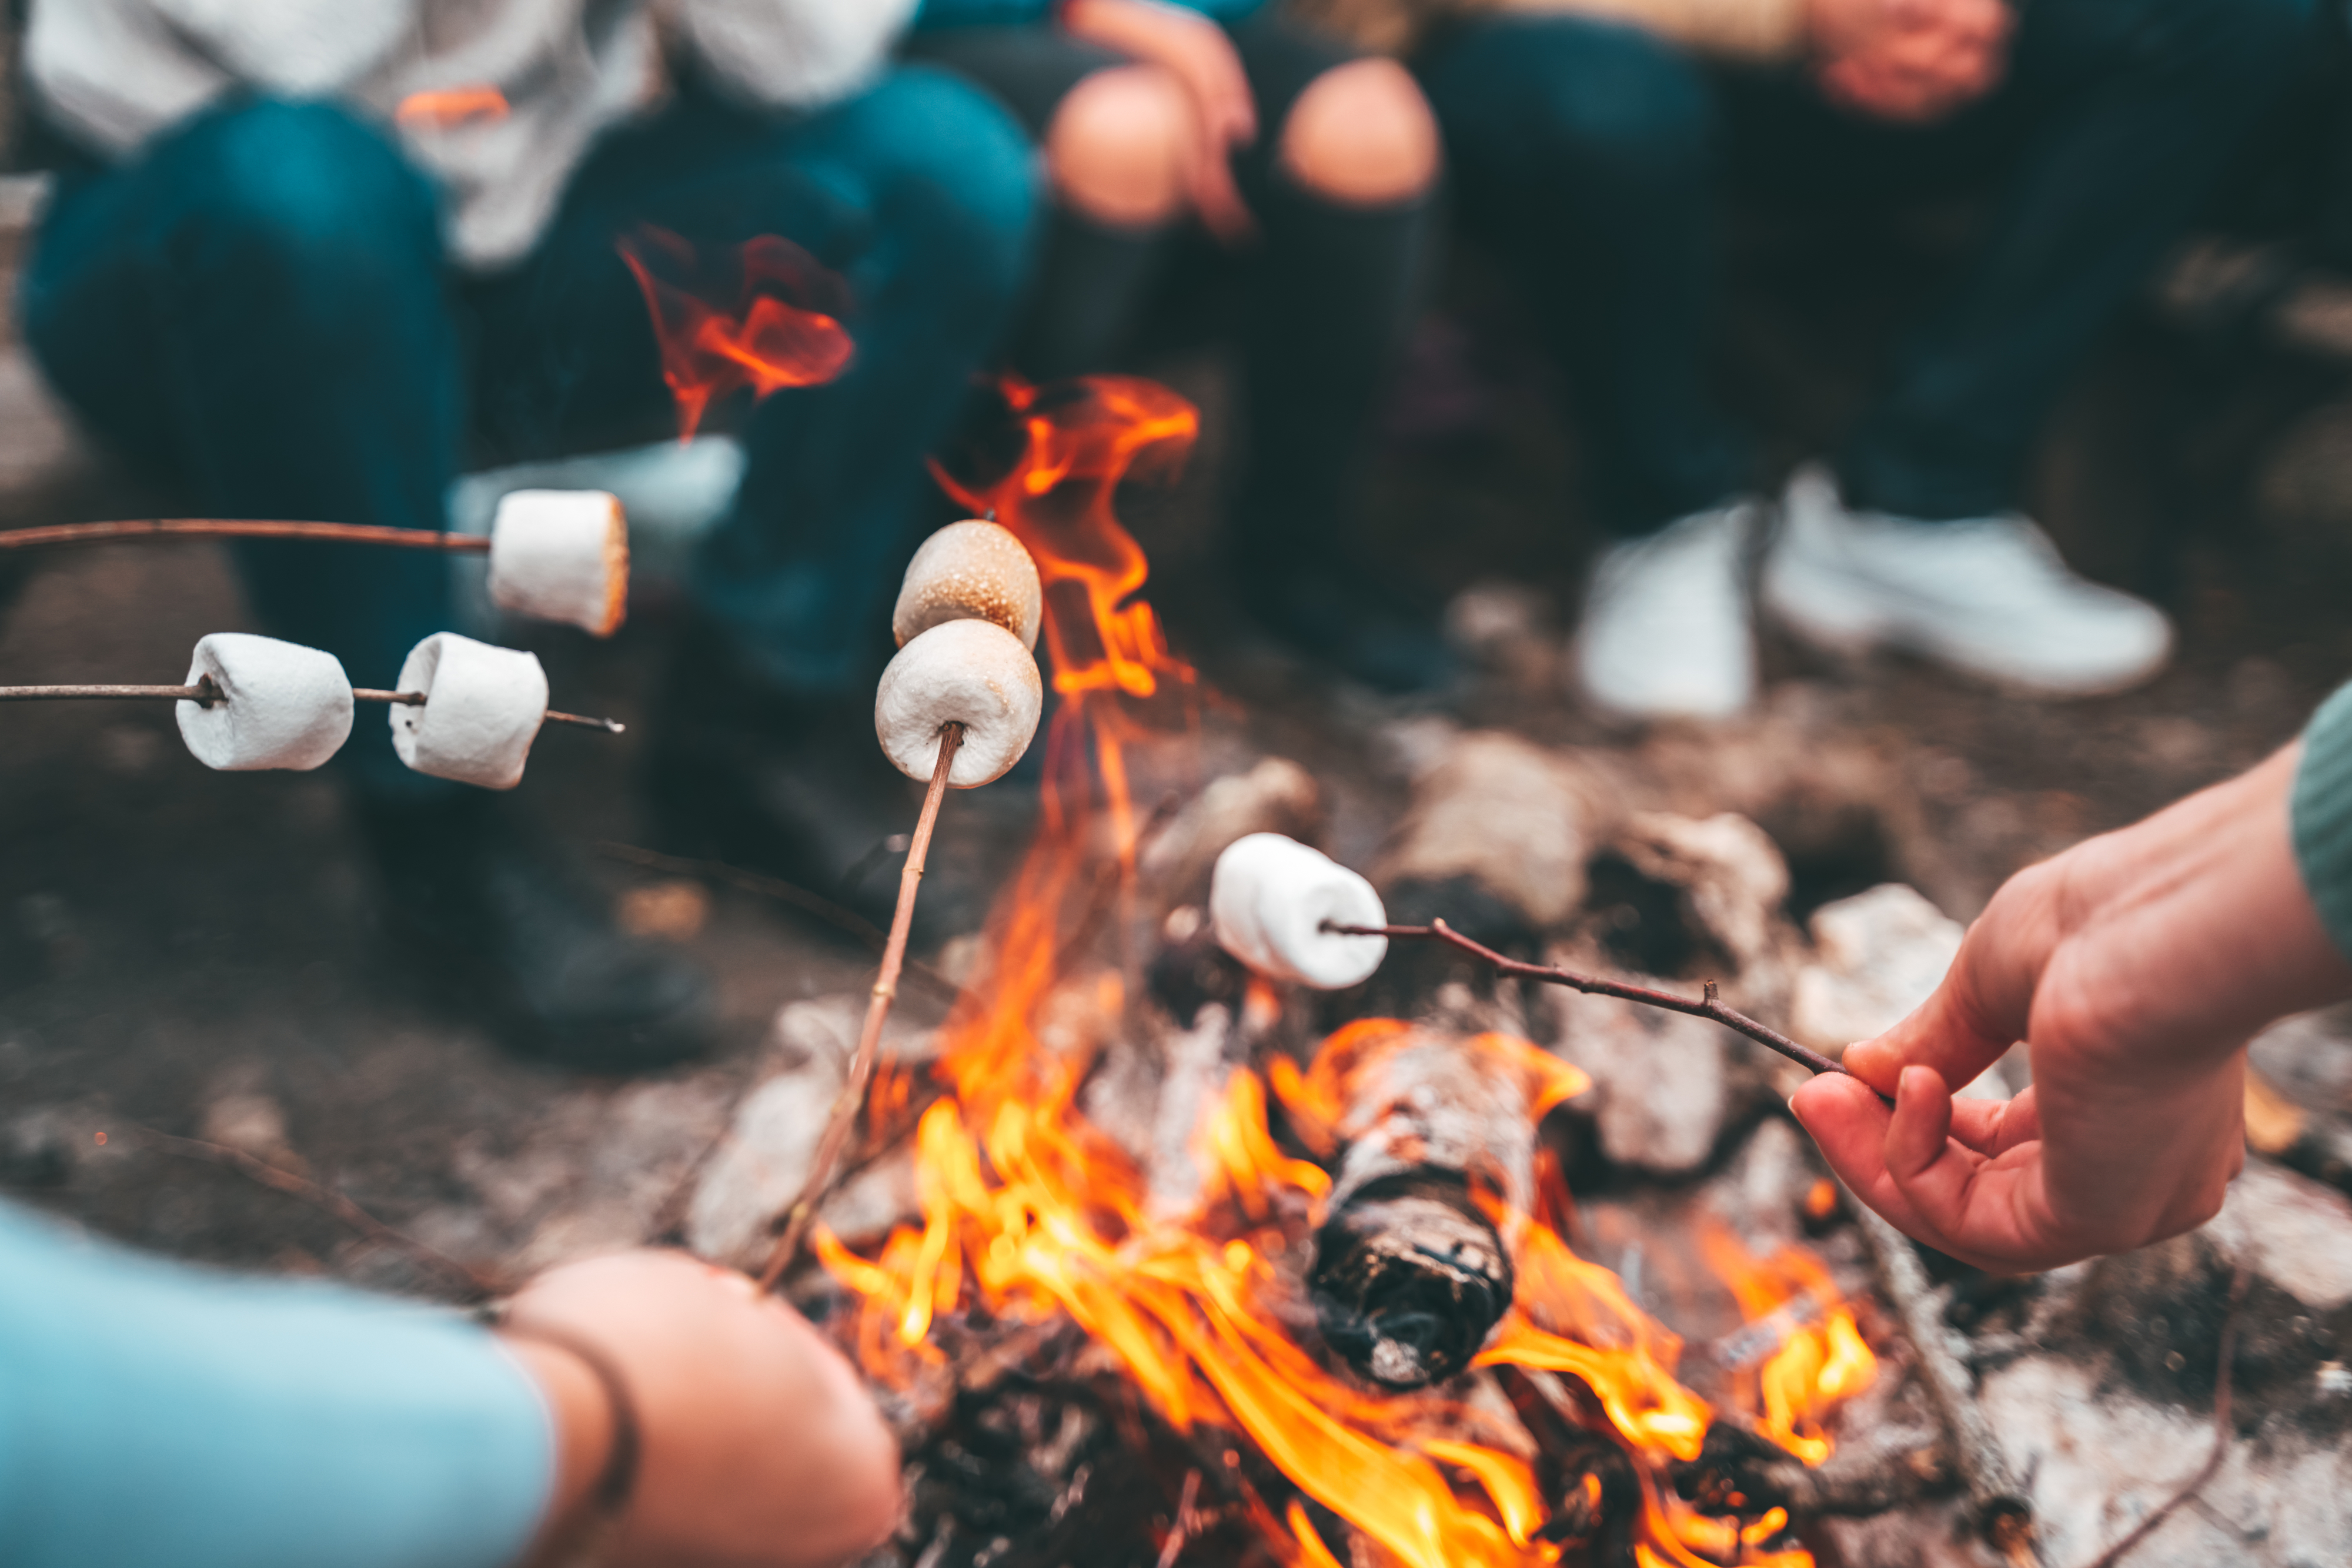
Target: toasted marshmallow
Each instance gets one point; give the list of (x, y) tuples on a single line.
[(285, 705), (562, 555), (972, 570), (482, 708), (1268, 899), (973, 673)]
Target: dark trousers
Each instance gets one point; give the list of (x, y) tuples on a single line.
[(1593, 154), (261, 304)]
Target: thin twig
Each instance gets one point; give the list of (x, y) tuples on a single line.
[(2205, 1472), (1708, 1006), (791, 892), (477, 1284), (242, 528), (207, 692), (1997, 1505), (852, 1099)]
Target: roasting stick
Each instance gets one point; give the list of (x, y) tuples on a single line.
[(204, 693), (242, 528), (1708, 1005), (852, 1098)]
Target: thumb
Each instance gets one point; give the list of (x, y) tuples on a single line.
[(1980, 1007)]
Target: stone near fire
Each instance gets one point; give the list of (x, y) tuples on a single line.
[(1505, 814), (1662, 1085), (1275, 796), (972, 570), (1269, 899), (973, 673), (1732, 877), (284, 705), (1877, 955), (482, 709), (562, 555)]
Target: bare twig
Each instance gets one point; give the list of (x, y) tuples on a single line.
[(852, 1099), (2205, 1472), (791, 892), (1997, 1505), (1708, 1005), (241, 529), (1182, 1530), (477, 1286), (207, 692)]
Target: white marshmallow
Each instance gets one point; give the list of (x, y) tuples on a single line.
[(972, 570), (1268, 899), (288, 706), (482, 708), (973, 673), (562, 555)]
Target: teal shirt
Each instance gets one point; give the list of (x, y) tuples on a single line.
[(154, 1414), (2323, 814)]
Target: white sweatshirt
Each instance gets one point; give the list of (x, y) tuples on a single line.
[(114, 73)]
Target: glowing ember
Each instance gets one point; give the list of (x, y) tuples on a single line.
[(449, 108), (1029, 1211), (766, 316)]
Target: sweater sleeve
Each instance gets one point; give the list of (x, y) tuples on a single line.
[(2322, 813), (154, 1412)]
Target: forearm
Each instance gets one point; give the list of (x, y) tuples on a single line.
[(1751, 30), (156, 1413)]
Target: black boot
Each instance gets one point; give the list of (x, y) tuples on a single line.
[(797, 786), (485, 898)]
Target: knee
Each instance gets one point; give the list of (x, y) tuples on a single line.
[(304, 200), (1361, 135), (1116, 148)]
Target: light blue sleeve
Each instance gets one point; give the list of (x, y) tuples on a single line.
[(154, 1414)]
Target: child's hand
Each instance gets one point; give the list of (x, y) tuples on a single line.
[(2135, 965), (1197, 53), (1910, 60)]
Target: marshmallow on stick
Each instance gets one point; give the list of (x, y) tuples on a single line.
[(1268, 899), (562, 555), (281, 705), (482, 709), (973, 673), (972, 570)]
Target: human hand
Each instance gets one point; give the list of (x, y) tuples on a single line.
[(1197, 53), (2135, 966), (1908, 61), (759, 1447)]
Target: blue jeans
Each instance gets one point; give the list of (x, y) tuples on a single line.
[(260, 304), (1593, 153)]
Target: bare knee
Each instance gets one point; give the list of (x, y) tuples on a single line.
[(1116, 147), (1361, 135)]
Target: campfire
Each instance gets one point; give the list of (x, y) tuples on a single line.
[(1334, 1278)]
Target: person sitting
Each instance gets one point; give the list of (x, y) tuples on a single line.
[(1588, 140), (304, 257), (642, 1404), (1217, 137)]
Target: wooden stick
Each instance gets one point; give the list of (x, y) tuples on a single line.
[(1708, 1006), (1998, 1506), (852, 1099), (204, 692), (242, 528)]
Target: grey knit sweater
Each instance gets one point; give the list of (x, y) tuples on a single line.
[(2323, 814), (113, 73)]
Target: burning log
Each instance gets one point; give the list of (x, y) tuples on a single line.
[(1411, 1274)]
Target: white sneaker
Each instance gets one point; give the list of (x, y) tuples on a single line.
[(1988, 596), (1666, 631)]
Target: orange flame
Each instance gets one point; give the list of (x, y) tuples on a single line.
[(449, 108), (781, 326), (1820, 1361), (1029, 1210)]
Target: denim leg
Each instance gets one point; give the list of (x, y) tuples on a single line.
[(944, 185), (257, 303), (1584, 150), (2123, 113)]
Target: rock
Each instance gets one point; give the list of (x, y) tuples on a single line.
[(1732, 876), (1195, 1075), (2294, 1233), (37, 1149), (250, 1123), (1277, 796), (1762, 1192), (1661, 1088), (1507, 815), (1876, 956)]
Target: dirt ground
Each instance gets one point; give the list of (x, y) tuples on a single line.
[(180, 948)]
